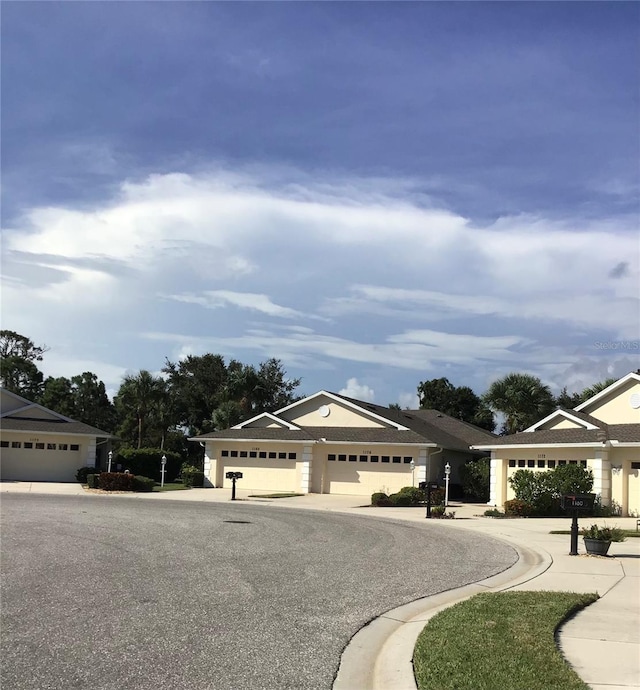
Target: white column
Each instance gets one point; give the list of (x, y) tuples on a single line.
[(209, 466), (305, 474), (421, 466), (493, 481), (91, 453), (602, 475)]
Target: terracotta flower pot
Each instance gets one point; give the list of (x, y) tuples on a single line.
[(596, 547)]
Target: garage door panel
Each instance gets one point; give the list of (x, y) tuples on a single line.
[(261, 475), (634, 489), (39, 466), (352, 478)]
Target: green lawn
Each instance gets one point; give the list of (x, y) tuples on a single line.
[(280, 495), (498, 641), (170, 486), (627, 532)]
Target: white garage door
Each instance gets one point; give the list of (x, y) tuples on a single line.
[(359, 476), (39, 465), (262, 475)]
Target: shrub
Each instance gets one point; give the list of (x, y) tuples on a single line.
[(83, 473), (146, 462), (400, 499), (440, 513), (603, 533), (116, 481), (613, 510), (192, 476), (475, 479), (437, 496), (92, 481), (380, 499), (494, 512), (414, 493), (144, 484), (518, 507)]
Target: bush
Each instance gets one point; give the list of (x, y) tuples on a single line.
[(92, 481), (437, 496), (517, 507), (144, 484), (146, 462), (192, 476), (380, 499), (415, 494), (116, 481), (401, 500), (494, 512), (475, 480), (603, 533), (83, 473)]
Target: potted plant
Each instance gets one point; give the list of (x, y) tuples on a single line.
[(597, 540)]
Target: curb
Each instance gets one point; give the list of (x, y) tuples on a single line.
[(380, 655)]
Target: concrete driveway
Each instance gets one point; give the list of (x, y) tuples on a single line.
[(105, 592)]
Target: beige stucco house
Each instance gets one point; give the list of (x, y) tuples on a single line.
[(328, 443), (602, 433), (38, 444)]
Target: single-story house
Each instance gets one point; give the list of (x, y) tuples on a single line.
[(38, 444), (603, 433), (329, 443)]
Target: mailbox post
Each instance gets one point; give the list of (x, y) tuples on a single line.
[(163, 465), (428, 487), (575, 504), (233, 476)]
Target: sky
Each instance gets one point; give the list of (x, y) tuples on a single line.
[(377, 194)]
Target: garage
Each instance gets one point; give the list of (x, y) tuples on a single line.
[(30, 461), (366, 474), (262, 475)]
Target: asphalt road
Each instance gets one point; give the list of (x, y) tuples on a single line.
[(100, 592)]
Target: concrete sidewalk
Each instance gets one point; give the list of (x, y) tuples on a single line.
[(602, 642)]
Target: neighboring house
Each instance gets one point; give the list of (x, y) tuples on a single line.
[(328, 443), (602, 433), (38, 444)]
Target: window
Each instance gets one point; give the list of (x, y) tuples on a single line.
[(272, 455), (243, 453), (353, 458), (292, 456), (16, 444), (253, 454), (385, 458), (522, 463), (28, 444), (512, 463), (372, 458), (63, 446), (40, 446), (562, 462), (4, 444), (51, 446), (551, 464), (407, 460), (331, 457), (283, 456), (541, 463), (573, 462), (583, 463), (342, 458), (531, 463), (262, 454), (74, 446), (225, 453), (634, 465), (397, 459), (234, 453)]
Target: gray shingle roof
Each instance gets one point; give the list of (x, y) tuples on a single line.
[(624, 433), (50, 426), (263, 434)]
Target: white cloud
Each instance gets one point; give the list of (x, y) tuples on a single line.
[(359, 391), (409, 401), (217, 299)]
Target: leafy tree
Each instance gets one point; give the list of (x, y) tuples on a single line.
[(137, 397), (58, 395), (568, 400), (475, 479), (522, 398), (459, 402), (18, 371), (595, 389)]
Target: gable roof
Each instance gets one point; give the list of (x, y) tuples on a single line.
[(583, 420), (615, 433), (633, 376), (270, 417)]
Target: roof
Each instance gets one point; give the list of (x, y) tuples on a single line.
[(632, 376), (622, 433), (417, 427), (50, 426)]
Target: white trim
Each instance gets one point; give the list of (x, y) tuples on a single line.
[(272, 417), (251, 440), (342, 401), (593, 444), (608, 389), (567, 415), (625, 444), (6, 431), (31, 405)]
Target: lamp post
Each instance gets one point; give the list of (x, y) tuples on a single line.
[(163, 464), (110, 459), (447, 474), (413, 469)]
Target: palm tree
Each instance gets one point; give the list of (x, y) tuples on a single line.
[(523, 400), (139, 393)]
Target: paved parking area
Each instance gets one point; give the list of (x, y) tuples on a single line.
[(107, 592)]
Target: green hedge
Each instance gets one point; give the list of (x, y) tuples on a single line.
[(116, 481), (83, 473), (192, 476), (146, 462)]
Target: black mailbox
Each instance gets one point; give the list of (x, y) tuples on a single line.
[(234, 475), (578, 502), (428, 485)]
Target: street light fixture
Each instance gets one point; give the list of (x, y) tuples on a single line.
[(412, 465), (447, 474), (163, 465), (110, 459)]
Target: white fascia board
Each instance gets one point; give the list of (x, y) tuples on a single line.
[(252, 440), (268, 415), (347, 403), (513, 446), (625, 444), (54, 433), (566, 415), (329, 442), (629, 377)]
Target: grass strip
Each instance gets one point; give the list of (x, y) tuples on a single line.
[(499, 640), (177, 486), (627, 532), (280, 495)]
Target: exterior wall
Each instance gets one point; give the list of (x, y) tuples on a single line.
[(564, 423), (306, 414), (625, 479), (8, 403), (51, 462), (36, 412), (616, 408), (265, 423)]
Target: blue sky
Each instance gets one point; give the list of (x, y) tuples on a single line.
[(376, 193)]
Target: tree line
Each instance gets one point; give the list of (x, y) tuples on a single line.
[(204, 393)]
